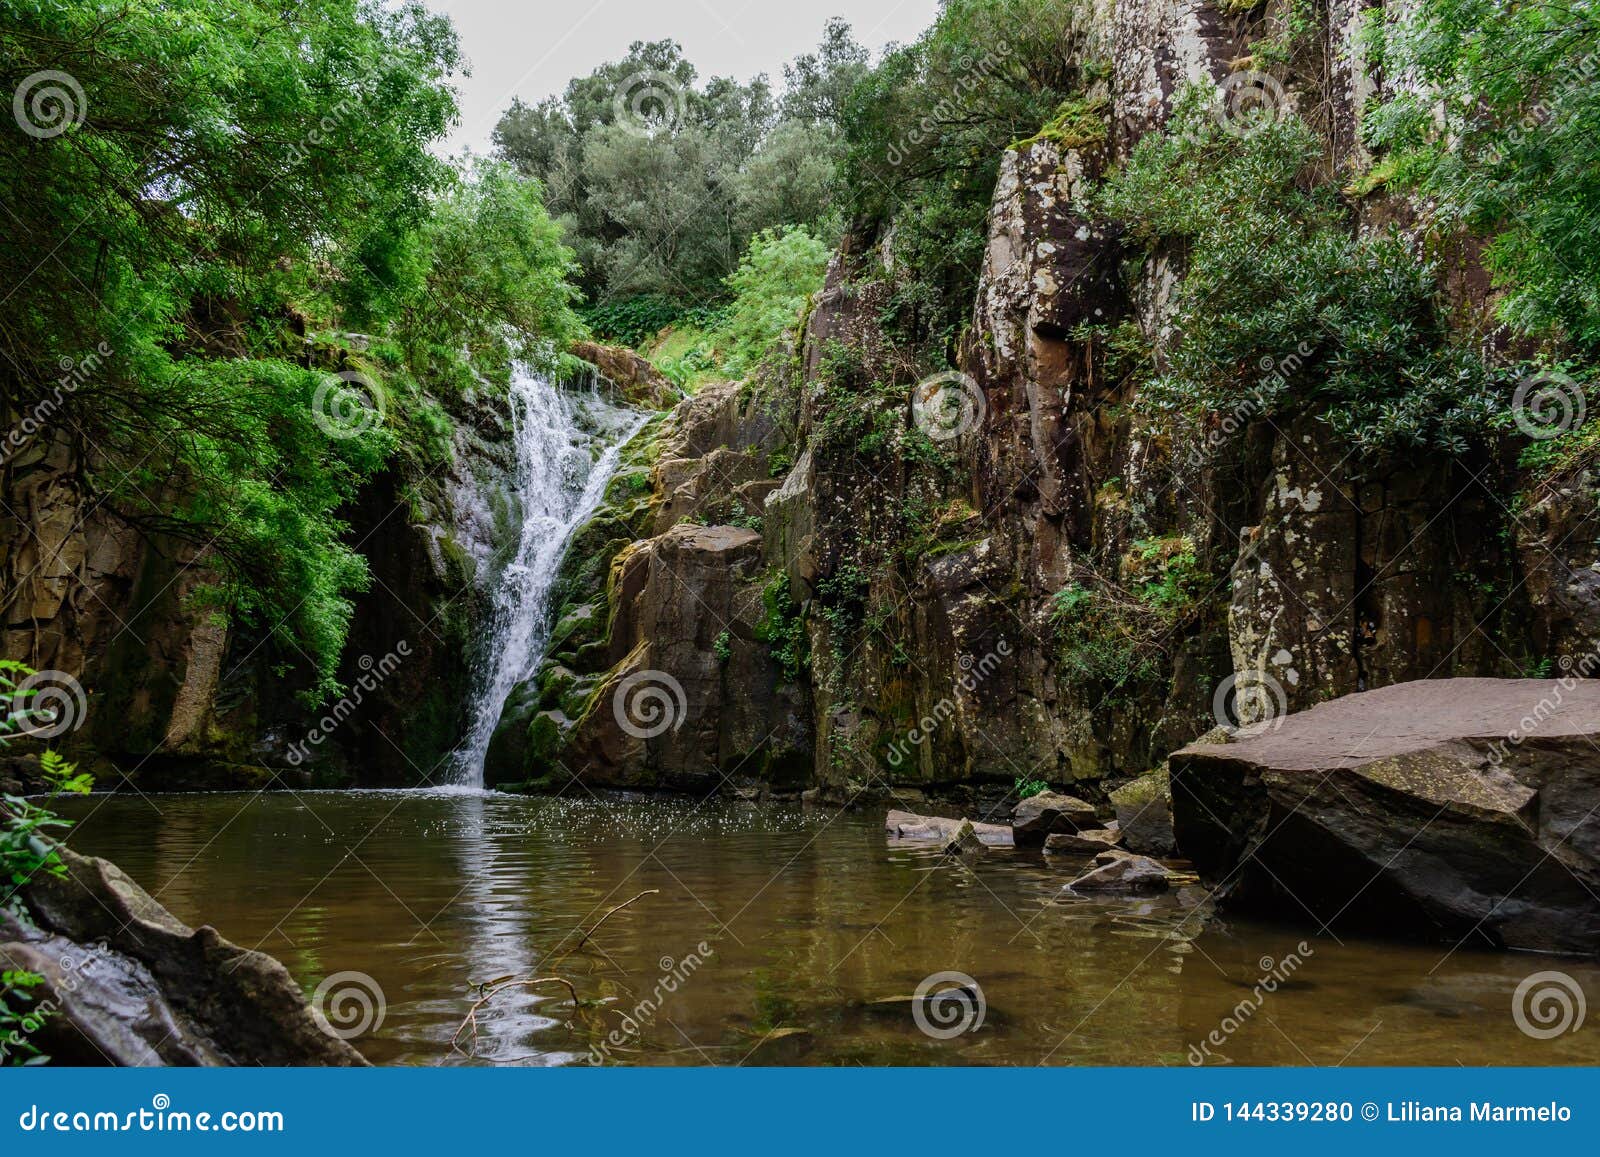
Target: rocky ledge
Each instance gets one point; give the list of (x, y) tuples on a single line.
[(127, 983), (1460, 809)]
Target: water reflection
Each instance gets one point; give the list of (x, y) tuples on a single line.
[(817, 934)]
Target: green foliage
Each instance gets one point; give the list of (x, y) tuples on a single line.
[(20, 1016), (722, 647), (1028, 788), (924, 133), (632, 321), (1283, 308), (251, 181), (1115, 636), (660, 180), (775, 279), (1496, 129), (26, 850), (783, 627)]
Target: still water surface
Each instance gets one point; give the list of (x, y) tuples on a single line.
[(818, 931)]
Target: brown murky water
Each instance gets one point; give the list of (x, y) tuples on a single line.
[(816, 934)]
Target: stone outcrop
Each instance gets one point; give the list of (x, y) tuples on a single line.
[(129, 984), (1048, 811), (637, 381), (660, 672), (1461, 809)]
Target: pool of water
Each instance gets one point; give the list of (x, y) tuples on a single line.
[(776, 935)]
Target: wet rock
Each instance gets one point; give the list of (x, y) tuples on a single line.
[(639, 382), (1144, 814), (903, 825), (1127, 873), (138, 986), (1049, 811), (964, 841), (1085, 843), (1447, 808)]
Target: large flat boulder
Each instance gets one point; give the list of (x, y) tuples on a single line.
[(1448, 808)]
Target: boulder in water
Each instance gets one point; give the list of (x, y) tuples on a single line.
[(902, 825), (1451, 808), (133, 985), (1049, 811)]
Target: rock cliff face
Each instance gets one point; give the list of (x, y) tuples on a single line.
[(177, 696), (927, 621)]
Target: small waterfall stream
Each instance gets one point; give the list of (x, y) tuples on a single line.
[(568, 443)]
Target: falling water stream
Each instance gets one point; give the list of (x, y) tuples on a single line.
[(568, 443)]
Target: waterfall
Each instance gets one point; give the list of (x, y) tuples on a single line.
[(568, 443)]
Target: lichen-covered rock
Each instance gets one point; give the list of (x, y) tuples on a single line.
[(1462, 809), (638, 382), (1144, 814), (1049, 811)]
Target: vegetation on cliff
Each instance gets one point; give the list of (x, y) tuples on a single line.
[(190, 241)]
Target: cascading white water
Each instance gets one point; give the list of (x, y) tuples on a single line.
[(568, 443)]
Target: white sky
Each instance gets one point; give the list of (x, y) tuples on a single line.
[(530, 48)]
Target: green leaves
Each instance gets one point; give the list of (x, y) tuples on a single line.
[(1498, 130), (1283, 306)]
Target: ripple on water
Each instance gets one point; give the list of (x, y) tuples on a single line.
[(814, 928)]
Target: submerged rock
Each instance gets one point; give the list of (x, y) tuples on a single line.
[(909, 826), (1452, 808), (1084, 843), (1050, 811), (133, 985), (1125, 873)]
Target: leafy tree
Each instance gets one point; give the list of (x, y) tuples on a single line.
[(925, 130), (1496, 126), (232, 187)]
